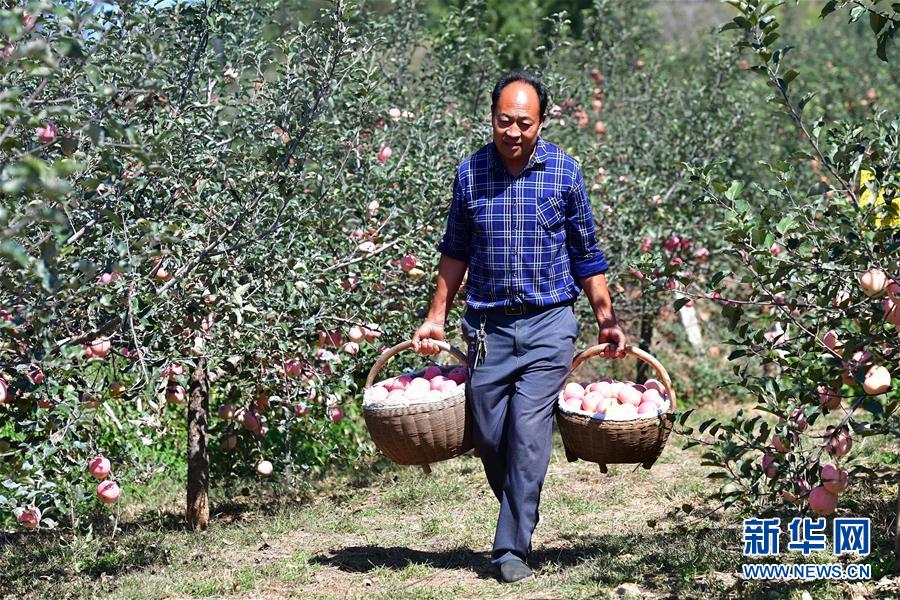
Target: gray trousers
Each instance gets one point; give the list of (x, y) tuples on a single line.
[(512, 393)]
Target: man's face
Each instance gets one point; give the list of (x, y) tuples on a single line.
[(517, 121)]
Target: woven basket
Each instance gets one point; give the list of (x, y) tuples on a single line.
[(608, 442), (425, 433)]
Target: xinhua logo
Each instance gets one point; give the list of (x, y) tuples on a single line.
[(762, 537)]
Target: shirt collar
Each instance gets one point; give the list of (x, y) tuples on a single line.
[(540, 156)]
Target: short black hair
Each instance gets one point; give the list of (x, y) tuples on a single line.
[(524, 77)]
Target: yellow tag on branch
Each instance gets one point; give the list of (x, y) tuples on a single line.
[(893, 216)]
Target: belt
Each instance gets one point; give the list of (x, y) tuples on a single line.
[(524, 309)]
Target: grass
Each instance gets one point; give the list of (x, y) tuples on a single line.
[(392, 533)]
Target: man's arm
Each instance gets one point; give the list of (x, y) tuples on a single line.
[(589, 266), (450, 276), (454, 249), (597, 292)]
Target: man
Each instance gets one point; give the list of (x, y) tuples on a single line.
[(520, 222)]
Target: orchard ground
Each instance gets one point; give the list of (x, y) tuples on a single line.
[(382, 531)]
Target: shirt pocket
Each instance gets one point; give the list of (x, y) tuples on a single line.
[(551, 211)]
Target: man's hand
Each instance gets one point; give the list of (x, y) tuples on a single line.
[(611, 333), (426, 332)]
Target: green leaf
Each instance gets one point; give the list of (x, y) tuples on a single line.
[(735, 190), (876, 22), (805, 100), (785, 224), (829, 8), (680, 303)]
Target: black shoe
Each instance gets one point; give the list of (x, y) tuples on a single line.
[(514, 570)]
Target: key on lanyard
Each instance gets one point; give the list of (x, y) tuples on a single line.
[(480, 343)]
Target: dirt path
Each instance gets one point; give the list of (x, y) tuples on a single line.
[(396, 534)]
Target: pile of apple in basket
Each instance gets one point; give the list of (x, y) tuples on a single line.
[(435, 383), (615, 400)]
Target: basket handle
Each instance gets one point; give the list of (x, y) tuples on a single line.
[(636, 352), (390, 352)]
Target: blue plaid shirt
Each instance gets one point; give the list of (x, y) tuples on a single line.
[(527, 239)]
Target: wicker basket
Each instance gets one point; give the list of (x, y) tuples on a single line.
[(425, 433), (608, 442)]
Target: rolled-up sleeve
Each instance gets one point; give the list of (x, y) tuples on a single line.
[(457, 238), (585, 255)]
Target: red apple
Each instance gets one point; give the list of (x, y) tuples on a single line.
[(770, 467), (417, 388), (100, 347), (401, 383), (647, 409), (108, 491), (621, 412), (408, 263), (99, 467), (590, 401), (172, 370), (293, 367), (372, 331), (250, 421), (175, 393), (652, 396), (629, 395), (447, 386), (264, 468), (891, 310), (822, 502), (458, 374), (877, 381), (874, 282), (47, 133), (828, 398), (377, 394), (356, 334), (839, 443), (396, 397), (336, 414), (431, 372), (107, 278), (572, 403), (573, 390), (30, 518), (655, 384), (261, 404), (834, 479), (832, 342)]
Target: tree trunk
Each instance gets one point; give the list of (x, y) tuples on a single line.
[(646, 339), (198, 459), (897, 536)]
